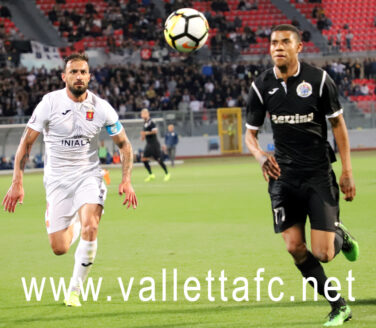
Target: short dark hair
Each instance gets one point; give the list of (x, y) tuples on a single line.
[(288, 27), (75, 56)]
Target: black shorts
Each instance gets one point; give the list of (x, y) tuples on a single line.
[(153, 150), (315, 195)]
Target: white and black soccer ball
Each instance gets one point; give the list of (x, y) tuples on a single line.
[(186, 30)]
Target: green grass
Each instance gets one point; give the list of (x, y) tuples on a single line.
[(213, 215)]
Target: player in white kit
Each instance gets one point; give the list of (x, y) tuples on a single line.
[(71, 120)]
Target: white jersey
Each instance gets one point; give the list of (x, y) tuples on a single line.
[(71, 131)]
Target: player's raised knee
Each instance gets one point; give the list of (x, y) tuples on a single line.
[(296, 248), (323, 254), (60, 249)]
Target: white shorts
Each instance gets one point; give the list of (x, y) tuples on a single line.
[(64, 201)]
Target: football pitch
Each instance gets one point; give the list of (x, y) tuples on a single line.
[(213, 215)]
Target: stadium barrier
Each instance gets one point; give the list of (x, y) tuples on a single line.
[(198, 131)]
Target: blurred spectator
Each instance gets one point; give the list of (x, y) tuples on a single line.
[(330, 44), (295, 22), (349, 36), (111, 43), (356, 90), (247, 5), (171, 140), (90, 9), (108, 158), (367, 68), (364, 90), (116, 158), (266, 32), (102, 153), (237, 22), (315, 12), (52, 14), (254, 5), (328, 23), (243, 5), (323, 23), (338, 40), (5, 164), (219, 5), (38, 161), (306, 36), (5, 12), (345, 87)]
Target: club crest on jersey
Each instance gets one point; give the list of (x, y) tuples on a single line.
[(89, 115), (304, 89)]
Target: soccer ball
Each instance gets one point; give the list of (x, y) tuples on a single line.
[(186, 30)]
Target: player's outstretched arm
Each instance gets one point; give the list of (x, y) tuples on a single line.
[(269, 165), (16, 193), (346, 181), (126, 156)]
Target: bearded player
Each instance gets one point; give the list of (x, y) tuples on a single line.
[(71, 120)]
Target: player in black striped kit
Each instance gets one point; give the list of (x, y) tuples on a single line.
[(299, 98), (153, 147)]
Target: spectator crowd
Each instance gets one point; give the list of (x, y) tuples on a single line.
[(179, 86), (142, 21)]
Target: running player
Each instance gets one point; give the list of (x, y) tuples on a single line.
[(71, 120), (299, 98), (152, 148)]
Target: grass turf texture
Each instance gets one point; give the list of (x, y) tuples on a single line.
[(213, 214)]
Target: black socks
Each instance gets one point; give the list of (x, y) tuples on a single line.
[(163, 166), (311, 267), (147, 166)]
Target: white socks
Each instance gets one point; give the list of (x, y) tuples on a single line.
[(84, 258)]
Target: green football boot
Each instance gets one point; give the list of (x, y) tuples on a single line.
[(338, 316), (350, 247), (150, 177)]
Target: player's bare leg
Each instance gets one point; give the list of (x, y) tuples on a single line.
[(60, 241), (295, 241), (308, 264), (90, 215), (322, 243)]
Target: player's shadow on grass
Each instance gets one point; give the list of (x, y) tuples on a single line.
[(366, 301), (77, 314), (241, 306)]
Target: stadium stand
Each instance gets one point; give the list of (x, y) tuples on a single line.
[(341, 18), (239, 27), (251, 22), (103, 24), (364, 92), (9, 33), (8, 29)]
